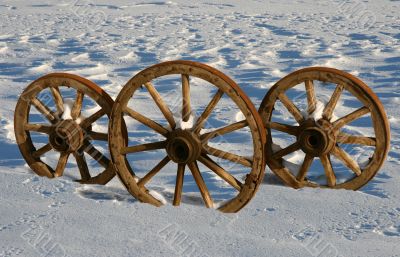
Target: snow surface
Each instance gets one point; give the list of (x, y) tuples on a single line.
[(186, 124), (68, 105), (256, 43)]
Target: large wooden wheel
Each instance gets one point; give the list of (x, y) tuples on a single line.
[(319, 133), (187, 147), (62, 127)]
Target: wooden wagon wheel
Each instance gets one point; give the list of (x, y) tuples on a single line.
[(323, 137), (187, 147), (69, 134)]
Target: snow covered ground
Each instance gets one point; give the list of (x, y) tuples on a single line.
[(256, 43)]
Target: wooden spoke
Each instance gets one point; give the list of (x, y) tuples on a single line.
[(286, 151), (41, 151), (92, 118), (62, 162), (350, 117), (227, 156), (153, 172), (207, 111), (41, 128), (201, 184), (53, 86), (347, 160), (291, 107), (186, 108), (356, 140), (144, 147), (330, 107), (311, 97), (334, 122), (82, 165), (292, 130), (58, 100), (97, 136), (43, 109), (179, 184), (308, 160), (330, 175), (76, 109), (231, 180), (146, 121), (224, 130), (96, 154), (185, 144), (161, 104)]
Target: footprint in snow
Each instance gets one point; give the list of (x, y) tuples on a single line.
[(44, 187), (384, 222)]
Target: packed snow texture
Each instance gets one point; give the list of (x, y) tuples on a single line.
[(255, 43)]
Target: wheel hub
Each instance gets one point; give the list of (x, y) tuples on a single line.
[(316, 138), (66, 136), (183, 146)]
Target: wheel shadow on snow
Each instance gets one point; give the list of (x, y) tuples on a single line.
[(10, 156), (101, 193), (374, 187), (272, 179)]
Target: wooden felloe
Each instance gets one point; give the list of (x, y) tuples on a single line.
[(317, 138), (322, 138), (70, 137), (187, 147)]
